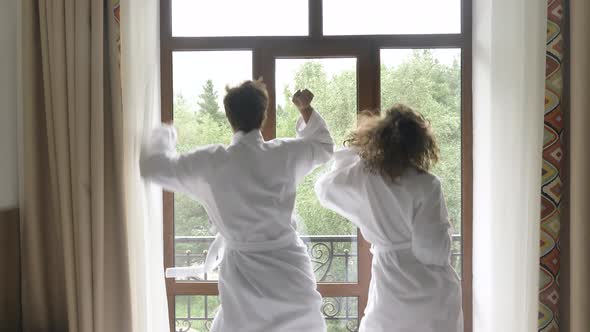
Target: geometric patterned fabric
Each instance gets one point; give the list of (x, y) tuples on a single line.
[(552, 170)]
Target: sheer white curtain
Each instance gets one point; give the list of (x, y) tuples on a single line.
[(508, 103), (140, 72)]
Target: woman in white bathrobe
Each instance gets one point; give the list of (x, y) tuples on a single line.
[(266, 281), (380, 182)]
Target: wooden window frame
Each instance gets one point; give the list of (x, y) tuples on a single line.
[(366, 49)]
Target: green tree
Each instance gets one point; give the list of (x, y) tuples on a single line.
[(208, 102), (421, 81), (196, 127), (434, 89), (335, 99)]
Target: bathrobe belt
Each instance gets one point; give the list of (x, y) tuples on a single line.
[(218, 247), (380, 249)]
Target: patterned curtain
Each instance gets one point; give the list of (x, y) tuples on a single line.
[(552, 174), (117, 29)]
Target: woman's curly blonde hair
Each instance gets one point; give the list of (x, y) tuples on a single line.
[(394, 141)]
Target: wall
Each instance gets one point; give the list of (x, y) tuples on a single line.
[(8, 105)]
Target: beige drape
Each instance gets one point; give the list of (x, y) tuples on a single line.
[(576, 279), (75, 273)]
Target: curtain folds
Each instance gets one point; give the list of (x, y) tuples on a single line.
[(508, 96), (140, 65), (81, 262), (74, 238)]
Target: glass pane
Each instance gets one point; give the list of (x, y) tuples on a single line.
[(199, 86), (429, 81), (195, 313), (219, 18), (380, 17), (331, 239)]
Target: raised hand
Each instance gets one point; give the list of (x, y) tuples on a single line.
[(302, 99)]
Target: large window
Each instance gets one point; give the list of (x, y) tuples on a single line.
[(353, 55)]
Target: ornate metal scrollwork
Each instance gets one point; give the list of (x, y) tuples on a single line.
[(352, 325), (322, 256), (331, 307), (330, 255), (337, 309), (182, 325), (208, 324)]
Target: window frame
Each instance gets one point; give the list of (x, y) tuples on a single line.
[(366, 48)]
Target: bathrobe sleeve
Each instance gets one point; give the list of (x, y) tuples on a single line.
[(312, 147), (183, 173), (340, 189), (431, 238)]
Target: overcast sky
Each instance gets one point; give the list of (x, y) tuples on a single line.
[(281, 17)]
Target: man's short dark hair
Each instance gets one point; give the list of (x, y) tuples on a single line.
[(245, 105)]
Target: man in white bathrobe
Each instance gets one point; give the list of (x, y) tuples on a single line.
[(266, 282)]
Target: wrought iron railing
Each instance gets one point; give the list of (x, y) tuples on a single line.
[(334, 259)]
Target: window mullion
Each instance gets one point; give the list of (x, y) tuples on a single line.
[(316, 21), (369, 72), (263, 66)]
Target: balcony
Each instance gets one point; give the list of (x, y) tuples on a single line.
[(334, 259)]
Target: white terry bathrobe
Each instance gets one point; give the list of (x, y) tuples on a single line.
[(266, 281), (413, 286)]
